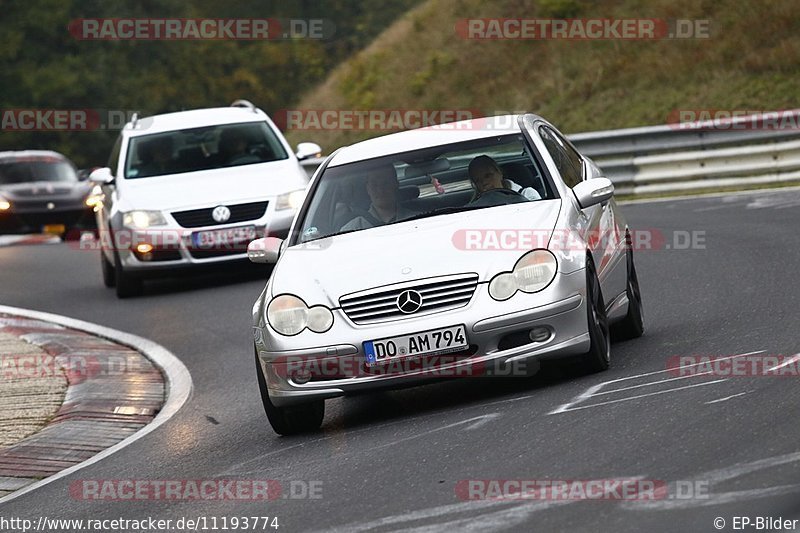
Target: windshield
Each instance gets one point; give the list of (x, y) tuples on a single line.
[(228, 145), (424, 183), (24, 170)]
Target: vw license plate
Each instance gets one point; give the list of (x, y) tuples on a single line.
[(229, 238), (432, 342)]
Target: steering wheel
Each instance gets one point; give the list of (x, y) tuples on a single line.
[(501, 191), (243, 159)]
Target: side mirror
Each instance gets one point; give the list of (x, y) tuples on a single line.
[(264, 250), (101, 176), (593, 191), (306, 150)]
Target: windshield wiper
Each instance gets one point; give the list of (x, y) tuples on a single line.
[(330, 235)]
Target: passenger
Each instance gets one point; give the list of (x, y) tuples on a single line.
[(486, 176)]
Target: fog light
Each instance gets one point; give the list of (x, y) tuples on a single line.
[(301, 376), (144, 248), (539, 334)]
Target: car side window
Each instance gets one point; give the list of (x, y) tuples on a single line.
[(113, 159), (568, 161)]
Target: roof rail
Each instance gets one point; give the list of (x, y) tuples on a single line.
[(246, 104)]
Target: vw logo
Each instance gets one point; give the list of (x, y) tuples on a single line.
[(221, 214), (409, 302)]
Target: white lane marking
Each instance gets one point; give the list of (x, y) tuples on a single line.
[(715, 477), (593, 390), (509, 400), (520, 512), (588, 393), (788, 362), (178, 381), (644, 395), (650, 384), (473, 423), (477, 421), (725, 399)]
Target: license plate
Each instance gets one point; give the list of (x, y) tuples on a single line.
[(54, 229), (224, 238), (431, 342)]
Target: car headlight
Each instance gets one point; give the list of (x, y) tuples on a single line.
[(533, 272), (4, 204), (95, 198), (143, 219), (290, 200), (289, 315)]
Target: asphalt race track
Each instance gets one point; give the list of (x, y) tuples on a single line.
[(392, 460)]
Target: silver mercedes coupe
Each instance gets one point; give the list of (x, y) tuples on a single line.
[(475, 248)]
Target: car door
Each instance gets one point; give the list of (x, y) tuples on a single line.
[(595, 223)]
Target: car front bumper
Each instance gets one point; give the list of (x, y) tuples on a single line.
[(298, 369), (174, 248)]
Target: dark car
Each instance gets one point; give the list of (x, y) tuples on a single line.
[(40, 192)]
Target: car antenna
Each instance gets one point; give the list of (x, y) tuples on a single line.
[(134, 119)]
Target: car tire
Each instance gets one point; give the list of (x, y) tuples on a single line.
[(109, 276), (127, 285), (632, 326), (598, 358), (291, 419)]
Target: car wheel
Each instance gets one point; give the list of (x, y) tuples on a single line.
[(598, 357), (127, 285), (632, 326), (109, 277), (291, 419)]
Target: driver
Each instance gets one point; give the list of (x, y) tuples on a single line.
[(382, 188), (233, 147), (487, 178)]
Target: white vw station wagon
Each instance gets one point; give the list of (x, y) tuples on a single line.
[(192, 188)]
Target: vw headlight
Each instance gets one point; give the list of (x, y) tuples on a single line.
[(290, 200), (143, 219), (289, 315), (533, 272)]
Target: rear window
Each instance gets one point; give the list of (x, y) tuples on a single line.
[(222, 146)]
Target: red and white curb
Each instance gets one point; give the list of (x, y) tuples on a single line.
[(10, 240), (177, 386)]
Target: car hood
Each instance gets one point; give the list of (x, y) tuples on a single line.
[(44, 189), (324, 270), (209, 187)]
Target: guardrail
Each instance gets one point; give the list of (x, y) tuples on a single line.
[(742, 151)]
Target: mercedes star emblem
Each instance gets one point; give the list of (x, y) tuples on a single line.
[(221, 214), (409, 302)]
